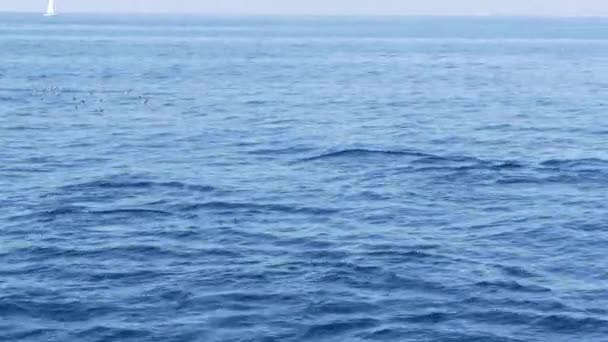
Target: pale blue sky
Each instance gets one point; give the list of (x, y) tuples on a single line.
[(433, 7)]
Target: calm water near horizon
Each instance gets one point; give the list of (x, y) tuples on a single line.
[(257, 179)]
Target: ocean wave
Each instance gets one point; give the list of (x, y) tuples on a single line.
[(281, 151), (342, 307), (133, 277), (255, 207), (133, 211), (572, 324), (350, 153), (513, 286), (57, 310), (338, 328), (580, 178), (531, 304), (74, 210), (136, 184), (109, 333), (430, 317), (576, 164), (25, 334), (464, 164), (516, 271), (508, 171), (422, 162), (374, 277), (48, 252)]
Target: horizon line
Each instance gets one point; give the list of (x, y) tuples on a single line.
[(236, 14)]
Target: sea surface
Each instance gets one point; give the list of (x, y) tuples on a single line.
[(259, 179)]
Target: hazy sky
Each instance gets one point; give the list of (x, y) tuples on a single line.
[(437, 7)]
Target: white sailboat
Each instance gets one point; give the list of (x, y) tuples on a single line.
[(50, 9)]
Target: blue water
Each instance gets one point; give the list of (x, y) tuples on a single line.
[(260, 179)]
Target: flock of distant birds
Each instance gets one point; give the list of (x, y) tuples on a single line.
[(79, 102)]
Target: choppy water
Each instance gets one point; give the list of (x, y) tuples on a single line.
[(303, 179)]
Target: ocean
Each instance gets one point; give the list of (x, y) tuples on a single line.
[(259, 179)]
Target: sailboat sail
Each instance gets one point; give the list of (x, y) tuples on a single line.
[(50, 10)]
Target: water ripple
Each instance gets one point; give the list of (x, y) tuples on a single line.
[(391, 179)]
